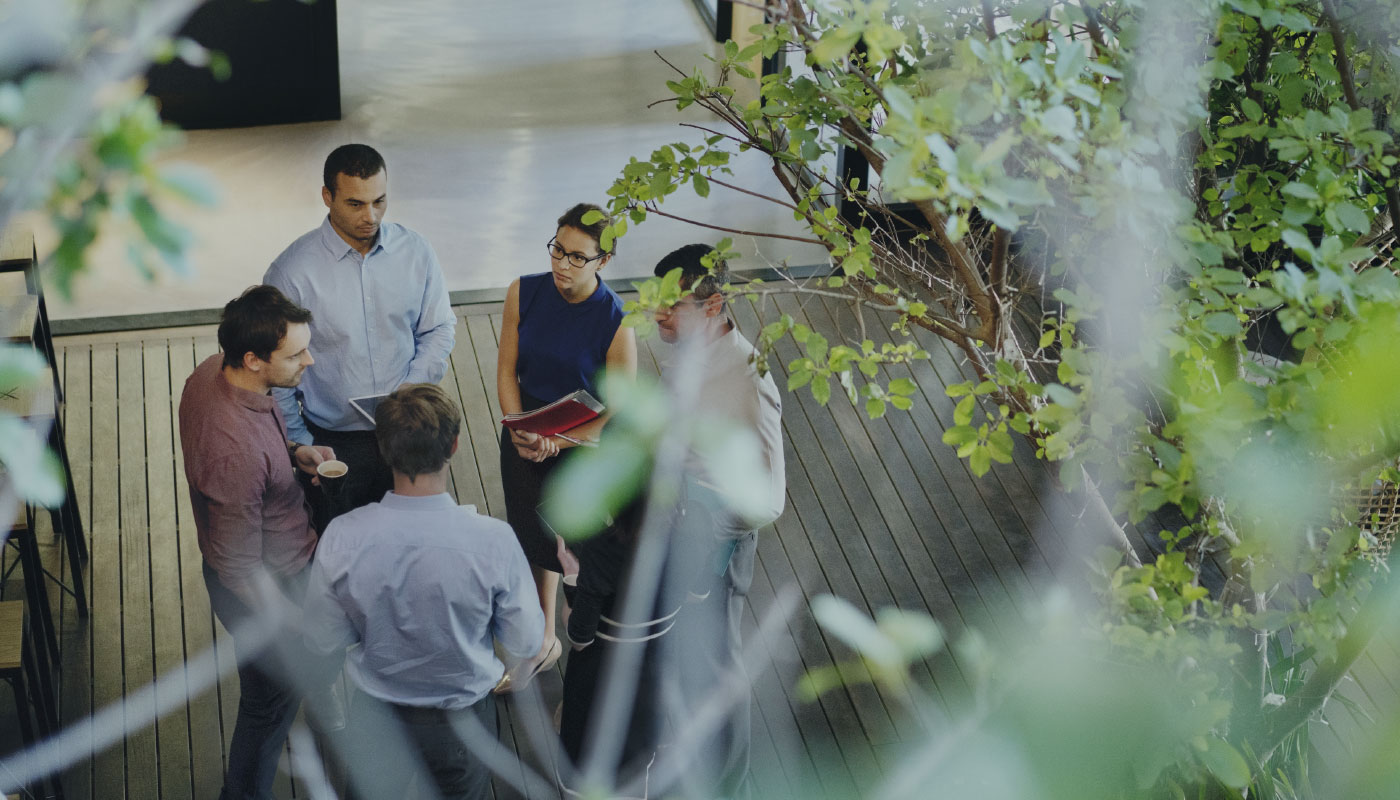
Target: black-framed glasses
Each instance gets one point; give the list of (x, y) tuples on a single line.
[(576, 260)]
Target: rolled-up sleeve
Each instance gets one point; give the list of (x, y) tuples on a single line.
[(436, 331), (517, 621), (327, 627)]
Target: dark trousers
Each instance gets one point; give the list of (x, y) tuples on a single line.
[(393, 747), (366, 482), (523, 483), (267, 701), (584, 676)]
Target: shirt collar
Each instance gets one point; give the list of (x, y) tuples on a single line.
[(340, 249), (250, 400), (428, 502), (707, 351)]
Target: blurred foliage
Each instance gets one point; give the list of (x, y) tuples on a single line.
[(79, 141), (1164, 189)]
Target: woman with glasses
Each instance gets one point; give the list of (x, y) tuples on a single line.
[(560, 329)]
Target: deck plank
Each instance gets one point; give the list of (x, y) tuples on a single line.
[(477, 454), (76, 680), (137, 661), (105, 558), (167, 603), (481, 338)]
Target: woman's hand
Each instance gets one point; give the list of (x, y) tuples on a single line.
[(533, 447), (545, 447)]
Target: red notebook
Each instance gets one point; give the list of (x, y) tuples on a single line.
[(567, 412)]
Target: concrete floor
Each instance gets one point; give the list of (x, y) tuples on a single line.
[(494, 118)]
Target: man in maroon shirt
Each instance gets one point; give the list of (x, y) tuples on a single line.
[(251, 514)]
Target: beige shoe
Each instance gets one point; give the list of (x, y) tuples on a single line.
[(519, 676)]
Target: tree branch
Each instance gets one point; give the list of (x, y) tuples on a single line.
[(651, 209), (989, 23), (996, 270), (751, 193), (1329, 14)]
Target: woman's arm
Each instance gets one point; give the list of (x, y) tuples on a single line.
[(622, 361), (507, 384), (507, 380)]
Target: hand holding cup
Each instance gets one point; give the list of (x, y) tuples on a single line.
[(331, 474)]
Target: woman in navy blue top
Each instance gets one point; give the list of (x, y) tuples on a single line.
[(560, 329)]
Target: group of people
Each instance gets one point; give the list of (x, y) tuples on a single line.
[(432, 608)]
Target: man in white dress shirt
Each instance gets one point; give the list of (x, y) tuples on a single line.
[(717, 364)]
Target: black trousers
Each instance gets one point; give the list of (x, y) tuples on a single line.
[(366, 482), (584, 676), (523, 482), (394, 749)]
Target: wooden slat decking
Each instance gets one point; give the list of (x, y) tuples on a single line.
[(879, 512)]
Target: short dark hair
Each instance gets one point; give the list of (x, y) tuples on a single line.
[(573, 218), (695, 277), (416, 426), (256, 322), (354, 160)]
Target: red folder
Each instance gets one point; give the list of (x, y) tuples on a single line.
[(563, 414)]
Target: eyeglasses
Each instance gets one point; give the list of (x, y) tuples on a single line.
[(576, 260)]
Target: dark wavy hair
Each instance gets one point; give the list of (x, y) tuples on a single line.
[(255, 322), (573, 218)]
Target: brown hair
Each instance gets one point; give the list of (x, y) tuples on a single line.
[(255, 322), (416, 426)]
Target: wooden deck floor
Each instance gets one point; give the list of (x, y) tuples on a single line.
[(879, 512)]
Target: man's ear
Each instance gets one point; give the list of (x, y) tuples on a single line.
[(326, 197), (713, 305), (251, 362), (453, 451)]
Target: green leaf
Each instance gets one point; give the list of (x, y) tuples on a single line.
[(1301, 190), (874, 407), (959, 435), (1000, 446), (903, 386), (858, 631), (701, 184), (962, 413), (835, 44), (34, 470), (980, 462), (1353, 218), (1225, 763), (1223, 323), (821, 390)]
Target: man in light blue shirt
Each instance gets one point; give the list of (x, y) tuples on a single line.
[(418, 588), (382, 317)]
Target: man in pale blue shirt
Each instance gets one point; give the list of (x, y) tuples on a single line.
[(381, 318), (418, 588)]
